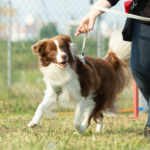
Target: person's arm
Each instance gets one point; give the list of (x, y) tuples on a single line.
[(87, 23)]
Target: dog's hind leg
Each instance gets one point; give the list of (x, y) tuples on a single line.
[(48, 101), (99, 127)]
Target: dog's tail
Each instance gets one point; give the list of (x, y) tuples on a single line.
[(118, 55)]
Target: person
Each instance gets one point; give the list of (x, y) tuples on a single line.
[(140, 49)]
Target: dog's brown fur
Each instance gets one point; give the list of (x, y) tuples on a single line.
[(106, 77)]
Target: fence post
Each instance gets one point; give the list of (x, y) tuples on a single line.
[(9, 45), (135, 99), (98, 38)]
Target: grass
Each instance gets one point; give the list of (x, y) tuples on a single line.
[(119, 134)]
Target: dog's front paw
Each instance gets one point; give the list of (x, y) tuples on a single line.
[(33, 124), (76, 133), (79, 128)]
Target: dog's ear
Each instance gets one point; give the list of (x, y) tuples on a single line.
[(66, 38), (39, 46)]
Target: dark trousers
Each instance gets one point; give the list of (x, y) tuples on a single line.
[(140, 60)]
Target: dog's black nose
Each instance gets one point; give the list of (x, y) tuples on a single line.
[(63, 56)]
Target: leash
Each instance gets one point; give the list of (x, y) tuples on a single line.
[(83, 47), (84, 41), (121, 13)]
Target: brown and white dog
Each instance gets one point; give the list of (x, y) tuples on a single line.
[(90, 88)]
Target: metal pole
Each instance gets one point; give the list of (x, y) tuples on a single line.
[(9, 45), (98, 38), (135, 98), (102, 46)]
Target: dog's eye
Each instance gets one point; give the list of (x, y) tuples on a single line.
[(63, 46), (52, 50)]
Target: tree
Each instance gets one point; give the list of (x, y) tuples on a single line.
[(48, 31)]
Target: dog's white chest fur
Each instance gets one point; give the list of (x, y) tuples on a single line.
[(67, 80)]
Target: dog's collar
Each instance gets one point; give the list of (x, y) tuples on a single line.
[(82, 58), (57, 89)]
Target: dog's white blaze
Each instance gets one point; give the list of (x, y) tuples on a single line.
[(59, 59)]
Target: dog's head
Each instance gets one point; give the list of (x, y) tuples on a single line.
[(55, 50)]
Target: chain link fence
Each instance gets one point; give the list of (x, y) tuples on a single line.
[(22, 23)]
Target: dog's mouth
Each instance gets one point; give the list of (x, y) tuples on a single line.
[(63, 64)]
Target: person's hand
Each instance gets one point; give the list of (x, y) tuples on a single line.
[(87, 23)]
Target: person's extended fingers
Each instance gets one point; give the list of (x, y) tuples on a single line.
[(80, 31), (85, 28), (77, 33), (80, 26)]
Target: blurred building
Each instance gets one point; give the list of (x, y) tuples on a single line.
[(4, 11)]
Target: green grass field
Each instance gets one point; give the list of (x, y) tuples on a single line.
[(119, 134)]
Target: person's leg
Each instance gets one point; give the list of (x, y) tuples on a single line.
[(140, 60)]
